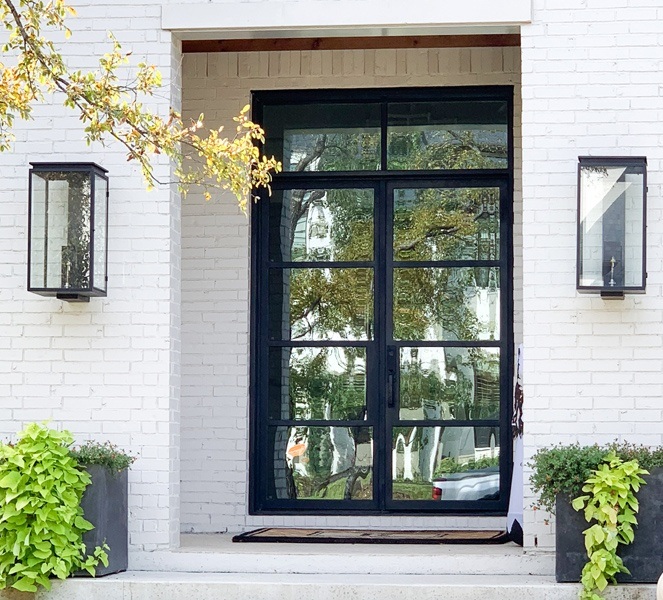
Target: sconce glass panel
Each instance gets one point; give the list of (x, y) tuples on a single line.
[(68, 230), (611, 224), (100, 231)]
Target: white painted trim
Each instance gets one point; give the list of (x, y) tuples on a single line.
[(367, 17)]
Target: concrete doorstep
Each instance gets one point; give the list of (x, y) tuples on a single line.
[(218, 554), (243, 586)]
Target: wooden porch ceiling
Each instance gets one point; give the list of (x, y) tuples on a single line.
[(351, 43)]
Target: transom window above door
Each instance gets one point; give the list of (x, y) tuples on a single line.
[(381, 303), (373, 136)]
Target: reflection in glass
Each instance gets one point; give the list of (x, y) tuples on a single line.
[(321, 225), (320, 463), (317, 383), (321, 304), (445, 463), (330, 137), (447, 135), (60, 241), (446, 224), (449, 383), (435, 304)]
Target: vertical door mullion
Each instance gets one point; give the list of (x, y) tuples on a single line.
[(390, 412), (376, 390), (382, 455)]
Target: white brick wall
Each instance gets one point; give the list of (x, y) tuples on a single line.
[(215, 264), (107, 369), (592, 81)]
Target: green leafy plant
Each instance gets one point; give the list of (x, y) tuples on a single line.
[(565, 469), (41, 520), (611, 502), (103, 454)]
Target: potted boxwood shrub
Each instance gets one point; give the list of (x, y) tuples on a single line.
[(105, 502), (42, 519), (560, 474)]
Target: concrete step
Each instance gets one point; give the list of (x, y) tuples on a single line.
[(207, 586), (218, 554)]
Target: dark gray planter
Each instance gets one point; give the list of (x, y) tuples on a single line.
[(105, 505), (644, 557)]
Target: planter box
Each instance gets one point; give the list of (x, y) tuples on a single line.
[(105, 506), (644, 557)]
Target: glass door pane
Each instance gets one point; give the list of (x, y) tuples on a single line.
[(437, 303), (441, 464), (333, 137), (316, 383), (320, 463), (447, 223), (318, 372), (322, 224), (449, 384), (448, 135)]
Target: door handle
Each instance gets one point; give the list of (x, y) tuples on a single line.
[(392, 368)]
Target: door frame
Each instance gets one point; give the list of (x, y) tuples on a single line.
[(382, 181)]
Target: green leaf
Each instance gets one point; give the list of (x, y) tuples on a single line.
[(24, 585), (579, 502), (90, 569), (601, 583), (102, 556), (70, 477), (17, 459), (10, 480), (82, 524), (22, 502)]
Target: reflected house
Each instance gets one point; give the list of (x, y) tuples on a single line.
[(318, 229), (312, 232)]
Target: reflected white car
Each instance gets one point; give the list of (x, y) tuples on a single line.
[(480, 484)]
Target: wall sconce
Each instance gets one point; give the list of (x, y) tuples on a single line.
[(612, 208), (68, 230)]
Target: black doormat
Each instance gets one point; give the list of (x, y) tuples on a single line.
[(363, 536)]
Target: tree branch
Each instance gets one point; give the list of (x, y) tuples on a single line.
[(112, 109)]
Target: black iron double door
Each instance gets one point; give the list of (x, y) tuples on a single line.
[(382, 343)]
